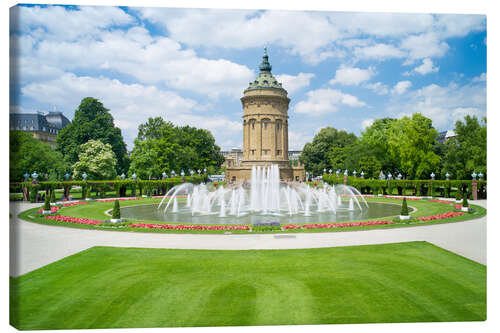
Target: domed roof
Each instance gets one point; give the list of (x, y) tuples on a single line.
[(265, 79)]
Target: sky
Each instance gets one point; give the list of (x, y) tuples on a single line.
[(190, 66)]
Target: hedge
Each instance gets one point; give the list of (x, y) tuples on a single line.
[(409, 187), (100, 187)]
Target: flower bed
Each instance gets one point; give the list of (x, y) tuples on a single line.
[(76, 203), (53, 210), (189, 227), (119, 199), (401, 197), (61, 218), (440, 216), (335, 225), (441, 201)]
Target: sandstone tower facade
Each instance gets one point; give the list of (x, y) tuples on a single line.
[(265, 127)]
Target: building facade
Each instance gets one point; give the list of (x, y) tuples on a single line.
[(265, 128), (43, 127)]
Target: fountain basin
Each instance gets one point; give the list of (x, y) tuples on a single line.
[(184, 215)]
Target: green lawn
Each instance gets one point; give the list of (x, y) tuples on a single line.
[(106, 287)]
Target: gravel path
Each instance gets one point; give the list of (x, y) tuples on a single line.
[(36, 245)]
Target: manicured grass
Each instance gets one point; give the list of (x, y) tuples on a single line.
[(95, 210), (105, 287)]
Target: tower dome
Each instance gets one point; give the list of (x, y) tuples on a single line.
[(265, 79)]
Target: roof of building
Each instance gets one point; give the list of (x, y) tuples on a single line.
[(265, 79), (53, 122)]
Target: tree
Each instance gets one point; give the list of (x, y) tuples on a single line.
[(160, 147), (374, 139), (92, 121), (97, 160), (326, 150), (28, 154), (404, 208), (466, 151), (410, 142), (370, 166)]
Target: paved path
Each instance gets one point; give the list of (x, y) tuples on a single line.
[(36, 245)]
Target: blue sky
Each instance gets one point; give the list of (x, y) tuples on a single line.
[(191, 66)]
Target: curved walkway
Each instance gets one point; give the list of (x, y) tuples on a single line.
[(35, 245)]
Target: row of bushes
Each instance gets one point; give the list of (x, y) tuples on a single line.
[(100, 188), (442, 188)]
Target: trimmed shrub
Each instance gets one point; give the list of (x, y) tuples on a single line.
[(53, 195), (465, 203), (116, 210), (46, 205), (458, 195), (404, 208)]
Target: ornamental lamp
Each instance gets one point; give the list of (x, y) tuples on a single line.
[(123, 176), (84, 176), (324, 170), (346, 172), (34, 175), (362, 173), (400, 176), (447, 176), (330, 171), (134, 176), (199, 171), (66, 176), (182, 173), (382, 176), (172, 173), (480, 175), (164, 175), (474, 175), (337, 172), (389, 176), (191, 172), (433, 175), (354, 173), (205, 170), (26, 176)]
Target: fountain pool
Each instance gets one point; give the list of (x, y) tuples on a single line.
[(264, 199)]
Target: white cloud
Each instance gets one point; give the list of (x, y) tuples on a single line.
[(352, 75), (378, 87), (323, 101), (63, 23), (130, 104), (366, 123), (480, 78), (426, 67), (225, 28), (401, 87), (424, 46), (149, 59), (443, 104), (293, 83), (297, 139), (378, 52)]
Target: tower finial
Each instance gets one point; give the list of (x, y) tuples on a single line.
[(265, 66)]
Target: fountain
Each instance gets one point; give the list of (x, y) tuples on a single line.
[(264, 196)]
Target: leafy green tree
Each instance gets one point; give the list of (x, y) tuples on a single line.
[(370, 166), (466, 151), (92, 121), (374, 139), (28, 154), (160, 147), (97, 160), (410, 142), (326, 150)]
